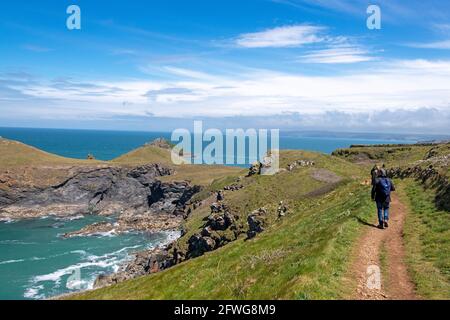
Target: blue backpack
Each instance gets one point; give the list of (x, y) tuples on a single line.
[(385, 187)]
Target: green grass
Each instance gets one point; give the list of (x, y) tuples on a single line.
[(293, 188), (393, 155), (144, 155), (427, 241), (306, 254), (197, 174), (14, 154), (303, 256)]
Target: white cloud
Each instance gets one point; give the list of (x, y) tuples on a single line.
[(340, 54), (396, 85), (286, 36), (328, 49), (432, 45), (441, 27)]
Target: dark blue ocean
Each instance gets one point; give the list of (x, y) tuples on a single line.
[(107, 145)]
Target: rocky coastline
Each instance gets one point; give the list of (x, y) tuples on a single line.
[(139, 200)]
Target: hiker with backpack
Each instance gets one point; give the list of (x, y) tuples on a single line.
[(381, 193), (374, 173)]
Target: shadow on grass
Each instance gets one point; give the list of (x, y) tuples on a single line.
[(364, 222)]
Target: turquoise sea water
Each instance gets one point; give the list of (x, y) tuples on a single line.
[(36, 262), (107, 145)]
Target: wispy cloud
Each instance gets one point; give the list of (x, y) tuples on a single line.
[(328, 49), (337, 55), (36, 48), (413, 12), (402, 84), (171, 94), (286, 36), (346, 6), (445, 44), (441, 27)]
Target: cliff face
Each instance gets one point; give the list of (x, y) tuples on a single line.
[(99, 190)]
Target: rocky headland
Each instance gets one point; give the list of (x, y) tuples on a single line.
[(135, 195)]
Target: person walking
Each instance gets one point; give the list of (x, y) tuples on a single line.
[(381, 193), (374, 173)]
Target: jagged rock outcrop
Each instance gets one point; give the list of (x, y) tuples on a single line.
[(100, 190), (255, 169), (220, 228), (127, 223), (256, 222), (144, 262)]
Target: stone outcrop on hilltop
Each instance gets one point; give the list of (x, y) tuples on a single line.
[(160, 143)]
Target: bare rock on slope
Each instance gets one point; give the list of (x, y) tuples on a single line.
[(99, 190), (256, 222)]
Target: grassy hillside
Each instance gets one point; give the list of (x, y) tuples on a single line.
[(302, 184), (197, 174), (143, 155), (301, 256), (14, 154), (17, 156), (427, 240), (427, 226), (304, 255), (398, 155)]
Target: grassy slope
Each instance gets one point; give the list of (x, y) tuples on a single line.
[(283, 261), (15, 154), (302, 256), (398, 156), (144, 154), (427, 230), (197, 174), (427, 241)]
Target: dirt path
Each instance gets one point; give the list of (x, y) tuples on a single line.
[(383, 250)]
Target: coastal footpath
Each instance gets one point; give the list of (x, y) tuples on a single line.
[(303, 226)]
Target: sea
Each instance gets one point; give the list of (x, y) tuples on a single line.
[(36, 262)]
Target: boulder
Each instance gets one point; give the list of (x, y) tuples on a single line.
[(282, 209), (217, 207), (220, 221), (220, 196), (233, 187), (255, 169), (199, 244), (256, 222)]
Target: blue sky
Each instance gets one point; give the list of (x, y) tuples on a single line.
[(289, 64)]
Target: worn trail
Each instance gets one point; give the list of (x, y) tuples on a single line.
[(388, 243)]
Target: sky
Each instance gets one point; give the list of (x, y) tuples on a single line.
[(288, 64)]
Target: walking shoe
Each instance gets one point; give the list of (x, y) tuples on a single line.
[(380, 226), (386, 224)]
